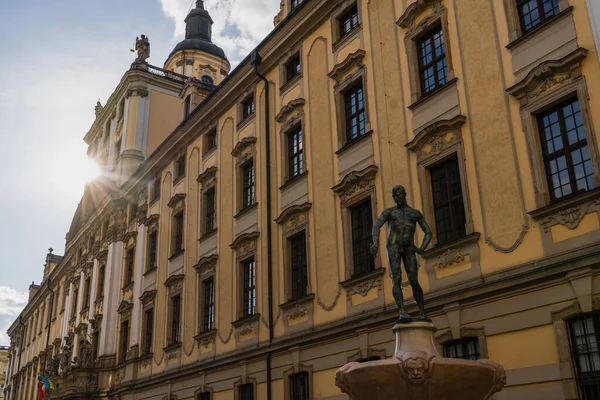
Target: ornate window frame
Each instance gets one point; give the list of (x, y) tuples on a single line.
[(290, 117), (206, 152), (207, 181), (297, 368), (515, 31), (174, 285), (152, 228), (546, 85), (148, 300), (206, 269), (125, 311), (177, 206), (340, 41), (244, 153), (243, 122), (416, 25), (286, 85), (346, 74), (464, 332)]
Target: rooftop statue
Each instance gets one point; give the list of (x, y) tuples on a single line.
[(142, 46), (402, 221)]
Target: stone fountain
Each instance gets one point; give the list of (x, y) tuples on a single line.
[(417, 371)]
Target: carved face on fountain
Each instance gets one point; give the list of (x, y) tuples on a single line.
[(416, 366)]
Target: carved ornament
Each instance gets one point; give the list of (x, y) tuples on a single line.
[(141, 214), (342, 69), (206, 264), (243, 145), (449, 257), (174, 283), (289, 108), (245, 244), (571, 216), (547, 75), (205, 339), (364, 287), (416, 366), (152, 222), (355, 183), (116, 232), (207, 177), (176, 200), (437, 137), (129, 235), (293, 217), (141, 91), (148, 297), (125, 309)]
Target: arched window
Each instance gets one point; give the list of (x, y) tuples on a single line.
[(207, 79)]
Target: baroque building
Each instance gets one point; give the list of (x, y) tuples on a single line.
[(225, 254)]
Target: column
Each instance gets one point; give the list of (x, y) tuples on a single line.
[(78, 308), (594, 12), (137, 284), (112, 296), (67, 313)]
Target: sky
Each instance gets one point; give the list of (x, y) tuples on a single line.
[(57, 58)]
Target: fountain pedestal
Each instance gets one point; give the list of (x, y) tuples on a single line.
[(418, 372)]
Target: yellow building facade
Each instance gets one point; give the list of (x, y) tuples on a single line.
[(225, 254)]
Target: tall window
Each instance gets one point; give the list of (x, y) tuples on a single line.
[(246, 391), (180, 167), (249, 295), (465, 348), (121, 109), (433, 67), (448, 201), (96, 343), (123, 341), (178, 230), (107, 130), (362, 238), (208, 290), (155, 192), (86, 298), (299, 267), (248, 107), (74, 303), (248, 187), (534, 12), (299, 386), (211, 215), (211, 140), (129, 263), (354, 100), (152, 246), (585, 343), (132, 212), (566, 154), (293, 68), (207, 81), (100, 282), (295, 153), (175, 319), (187, 106), (104, 229), (296, 3), (148, 331), (348, 21)]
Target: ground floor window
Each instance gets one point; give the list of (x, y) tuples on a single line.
[(584, 338)]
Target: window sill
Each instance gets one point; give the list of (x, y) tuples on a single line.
[(245, 210), (300, 301), (293, 180), (248, 319), (289, 84), (178, 179), (207, 235), (150, 270), (153, 201), (83, 311), (426, 97), (209, 152), (438, 250), (356, 280), (205, 338), (172, 347), (245, 122), (567, 202), (348, 36), (348, 145), (540, 28), (146, 356), (176, 254), (127, 287)]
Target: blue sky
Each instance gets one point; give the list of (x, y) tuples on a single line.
[(57, 58)]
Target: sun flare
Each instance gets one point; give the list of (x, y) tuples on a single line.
[(69, 172)]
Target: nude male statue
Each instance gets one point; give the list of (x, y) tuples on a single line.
[(402, 221)]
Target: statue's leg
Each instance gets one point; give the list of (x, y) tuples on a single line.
[(412, 270), (394, 260)]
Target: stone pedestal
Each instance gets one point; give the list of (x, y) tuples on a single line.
[(418, 372)]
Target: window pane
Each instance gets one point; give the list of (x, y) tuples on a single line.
[(362, 223), (448, 201), (433, 67)]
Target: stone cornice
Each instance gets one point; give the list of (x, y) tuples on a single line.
[(291, 211), (352, 60), (207, 176), (242, 145), (148, 297), (176, 199), (413, 11), (425, 135), (289, 108), (354, 177), (206, 264), (240, 240)]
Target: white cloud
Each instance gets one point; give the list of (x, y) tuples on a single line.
[(239, 25), (11, 304)]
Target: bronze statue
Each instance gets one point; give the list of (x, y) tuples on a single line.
[(402, 221), (143, 49)]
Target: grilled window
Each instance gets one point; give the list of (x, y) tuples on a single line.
[(299, 386), (585, 339), (123, 341), (148, 331), (295, 153), (178, 239), (129, 262), (355, 114), (248, 107), (248, 187), (175, 319), (362, 238), (211, 140), (86, 298), (211, 216), (206, 82), (155, 192), (299, 267), (465, 348), (348, 21), (448, 201), (534, 12), (296, 4), (208, 287), (180, 167), (565, 148), (152, 246), (433, 67), (246, 391), (100, 282), (293, 68), (249, 294)]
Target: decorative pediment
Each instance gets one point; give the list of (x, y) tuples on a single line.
[(352, 60), (291, 211), (547, 75), (174, 282), (124, 308), (141, 213), (177, 201), (141, 91), (129, 235), (294, 217), (148, 296), (409, 17), (356, 182), (242, 145), (152, 221), (207, 177), (289, 108), (206, 264), (245, 243), (437, 137)]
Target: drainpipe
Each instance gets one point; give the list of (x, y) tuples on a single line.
[(16, 391), (255, 60), (49, 324)]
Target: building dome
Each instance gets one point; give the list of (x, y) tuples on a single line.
[(198, 33)]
